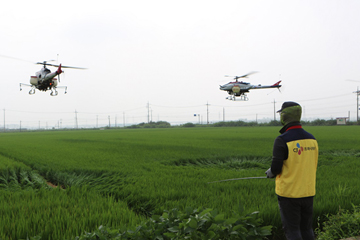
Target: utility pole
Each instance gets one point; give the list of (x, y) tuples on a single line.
[(4, 119), (357, 105), (20, 126), (274, 111), (76, 120), (207, 112), (97, 119), (109, 121), (124, 118), (148, 107), (223, 114), (198, 116)]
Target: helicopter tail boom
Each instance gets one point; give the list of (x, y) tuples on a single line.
[(275, 85)]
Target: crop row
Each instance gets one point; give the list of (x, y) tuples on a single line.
[(120, 177)]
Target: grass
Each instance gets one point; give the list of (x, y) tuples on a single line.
[(344, 224), (149, 170), (59, 214)]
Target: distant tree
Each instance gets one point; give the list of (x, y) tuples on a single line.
[(232, 124), (320, 122), (274, 123), (163, 124), (159, 124), (133, 126), (188, 125)]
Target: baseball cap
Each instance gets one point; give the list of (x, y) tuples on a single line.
[(288, 104)]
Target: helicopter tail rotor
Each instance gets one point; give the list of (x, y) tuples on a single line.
[(59, 71), (279, 83)]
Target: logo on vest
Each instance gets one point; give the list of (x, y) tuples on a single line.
[(299, 149)]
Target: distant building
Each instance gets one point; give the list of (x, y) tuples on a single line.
[(341, 120)]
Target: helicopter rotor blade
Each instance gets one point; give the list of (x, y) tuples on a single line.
[(56, 65), (246, 75), (62, 66), (243, 76), (19, 59), (45, 62), (73, 67)]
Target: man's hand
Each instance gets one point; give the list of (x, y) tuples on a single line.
[(269, 174)]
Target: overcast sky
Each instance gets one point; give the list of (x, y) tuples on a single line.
[(173, 55)]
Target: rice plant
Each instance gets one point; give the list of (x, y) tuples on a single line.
[(141, 172), (15, 179)]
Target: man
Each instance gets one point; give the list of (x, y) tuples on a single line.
[(294, 164)]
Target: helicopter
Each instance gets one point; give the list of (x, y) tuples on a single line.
[(237, 90), (45, 79)]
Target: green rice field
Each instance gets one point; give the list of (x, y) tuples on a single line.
[(121, 177)]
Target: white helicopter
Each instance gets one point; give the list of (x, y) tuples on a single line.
[(237, 90), (45, 79)]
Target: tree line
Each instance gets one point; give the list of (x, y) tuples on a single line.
[(164, 124)]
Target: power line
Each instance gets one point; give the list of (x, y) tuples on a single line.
[(182, 113), (176, 106)]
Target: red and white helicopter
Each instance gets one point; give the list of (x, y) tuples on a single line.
[(239, 89), (45, 79)]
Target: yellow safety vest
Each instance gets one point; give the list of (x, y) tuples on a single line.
[(298, 176)]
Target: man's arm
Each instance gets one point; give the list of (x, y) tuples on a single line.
[(280, 154)]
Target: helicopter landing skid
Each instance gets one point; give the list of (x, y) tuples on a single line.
[(240, 98), (54, 92), (32, 91)]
